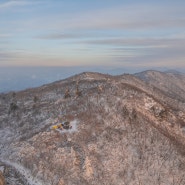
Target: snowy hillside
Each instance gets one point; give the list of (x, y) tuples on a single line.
[(123, 130)]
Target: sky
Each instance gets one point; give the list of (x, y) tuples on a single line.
[(118, 33)]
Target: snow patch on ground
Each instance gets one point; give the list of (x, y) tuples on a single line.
[(2, 169), (89, 78), (6, 135), (59, 101), (24, 172), (73, 129), (149, 103)]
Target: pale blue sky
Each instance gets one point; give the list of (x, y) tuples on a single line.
[(120, 33)]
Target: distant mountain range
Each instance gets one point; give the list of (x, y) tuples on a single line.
[(20, 78), (124, 129)]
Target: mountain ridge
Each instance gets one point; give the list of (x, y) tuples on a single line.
[(127, 130)]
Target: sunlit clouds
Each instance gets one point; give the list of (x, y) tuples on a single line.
[(77, 33)]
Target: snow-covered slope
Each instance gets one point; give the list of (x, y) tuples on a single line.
[(124, 131), (170, 82)]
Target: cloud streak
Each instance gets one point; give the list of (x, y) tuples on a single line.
[(13, 3), (126, 17), (58, 36), (137, 34), (144, 51), (5, 36)]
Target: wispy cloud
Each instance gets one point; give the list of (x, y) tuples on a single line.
[(56, 36), (5, 36), (137, 34), (4, 55), (138, 16), (13, 3), (144, 51), (138, 42), (16, 3)]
